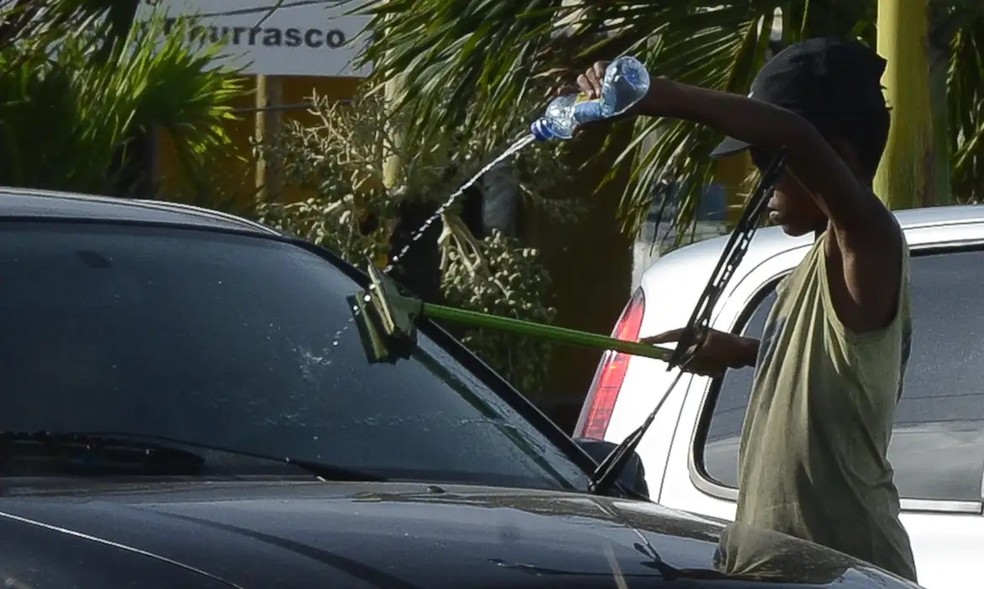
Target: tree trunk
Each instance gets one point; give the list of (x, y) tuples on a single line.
[(906, 177), (419, 268), (268, 122), (393, 167)]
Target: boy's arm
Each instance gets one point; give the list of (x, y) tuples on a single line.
[(811, 159), (751, 350), (868, 240), (721, 350)]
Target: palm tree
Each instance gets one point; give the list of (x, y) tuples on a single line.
[(467, 63), (80, 86), (960, 33)]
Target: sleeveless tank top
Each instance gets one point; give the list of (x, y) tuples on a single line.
[(813, 457)]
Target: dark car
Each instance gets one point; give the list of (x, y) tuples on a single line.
[(184, 402)]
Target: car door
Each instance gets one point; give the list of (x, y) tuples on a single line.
[(937, 449)]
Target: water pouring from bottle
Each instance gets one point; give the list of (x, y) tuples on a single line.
[(509, 152), (625, 83)]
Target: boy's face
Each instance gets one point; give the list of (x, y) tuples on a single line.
[(794, 209), (791, 205)]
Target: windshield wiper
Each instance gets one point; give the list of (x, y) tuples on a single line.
[(128, 451), (28, 452), (695, 333)]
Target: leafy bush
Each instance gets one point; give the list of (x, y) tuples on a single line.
[(72, 101), (359, 180), (509, 281)]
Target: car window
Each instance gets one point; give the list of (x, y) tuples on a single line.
[(720, 450), (937, 448), (239, 342)]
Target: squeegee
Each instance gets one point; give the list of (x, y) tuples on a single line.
[(387, 320)]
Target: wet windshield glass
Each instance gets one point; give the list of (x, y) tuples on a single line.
[(234, 341)]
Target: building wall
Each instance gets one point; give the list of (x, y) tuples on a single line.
[(235, 178)]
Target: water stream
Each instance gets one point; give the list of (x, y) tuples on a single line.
[(416, 235)]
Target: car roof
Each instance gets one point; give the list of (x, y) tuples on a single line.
[(696, 261), (29, 203), (771, 240)]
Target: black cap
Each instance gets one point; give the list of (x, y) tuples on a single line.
[(820, 79)]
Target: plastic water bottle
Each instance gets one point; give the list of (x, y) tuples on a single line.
[(625, 83)]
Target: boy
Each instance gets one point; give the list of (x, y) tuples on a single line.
[(829, 366)]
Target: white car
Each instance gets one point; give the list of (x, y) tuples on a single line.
[(937, 450)]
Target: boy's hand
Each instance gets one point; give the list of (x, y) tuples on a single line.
[(590, 81), (589, 84), (720, 351), (661, 95)]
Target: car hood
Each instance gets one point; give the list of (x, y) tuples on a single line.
[(294, 534)]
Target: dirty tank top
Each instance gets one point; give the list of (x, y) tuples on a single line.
[(812, 461)]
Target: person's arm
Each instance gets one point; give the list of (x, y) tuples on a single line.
[(810, 157), (750, 346), (867, 240), (721, 350)]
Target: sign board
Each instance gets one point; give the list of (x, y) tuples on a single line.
[(298, 38)]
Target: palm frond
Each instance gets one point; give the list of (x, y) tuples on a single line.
[(473, 67), (470, 66), (463, 65), (720, 49), (68, 107), (965, 96)]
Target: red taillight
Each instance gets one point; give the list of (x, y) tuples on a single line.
[(607, 383)]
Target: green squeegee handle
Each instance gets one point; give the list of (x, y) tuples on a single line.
[(549, 332)]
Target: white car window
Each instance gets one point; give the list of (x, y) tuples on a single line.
[(937, 448)]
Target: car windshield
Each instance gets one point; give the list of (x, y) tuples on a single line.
[(239, 342)]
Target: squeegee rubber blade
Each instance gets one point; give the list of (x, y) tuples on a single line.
[(374, 343)]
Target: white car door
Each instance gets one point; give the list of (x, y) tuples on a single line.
[(937, 448)]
